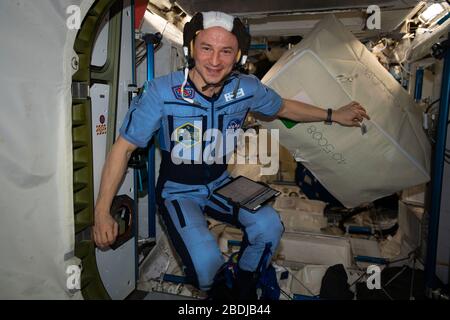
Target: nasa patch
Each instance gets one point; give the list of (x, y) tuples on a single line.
[(188, 92), (234, 124)]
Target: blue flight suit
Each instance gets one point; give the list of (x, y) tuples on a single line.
[(187, 178)]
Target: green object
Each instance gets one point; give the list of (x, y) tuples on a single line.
[(289, 123)]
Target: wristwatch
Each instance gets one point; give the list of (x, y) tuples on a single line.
[(329, 113)]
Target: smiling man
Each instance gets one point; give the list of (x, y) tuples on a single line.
[(215, 52), (209, 94)]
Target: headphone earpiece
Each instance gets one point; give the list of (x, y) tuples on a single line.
[(191, 49)]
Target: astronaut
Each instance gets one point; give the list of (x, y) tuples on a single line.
[(180, 107)]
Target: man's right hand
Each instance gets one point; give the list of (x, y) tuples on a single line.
[(105, 229)]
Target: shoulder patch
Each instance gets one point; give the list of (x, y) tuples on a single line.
[(188, 92), (234, 95)]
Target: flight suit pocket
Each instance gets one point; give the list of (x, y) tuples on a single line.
[(230, 126), (186, 137)]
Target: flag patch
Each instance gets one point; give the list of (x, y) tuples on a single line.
[(188, 92)]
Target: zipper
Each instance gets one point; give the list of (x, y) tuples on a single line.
[(212, 115), (206, 167)]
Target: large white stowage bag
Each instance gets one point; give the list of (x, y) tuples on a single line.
[(37, 237), (331, 68)]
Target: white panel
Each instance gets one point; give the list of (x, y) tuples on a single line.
[(299, 27), (117, 269), (299, 248), (421, 45), (100, 51), (125, 79), (99, 102)]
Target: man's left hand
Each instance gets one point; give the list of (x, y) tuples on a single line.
[(350, 115)]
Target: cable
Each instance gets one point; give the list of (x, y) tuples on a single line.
[(293, 277), (141, 54), (396, 275), (403, 68), (395, 261), (431, 104), (357, 280), (405, 267), (385, 292), (412, 252), (287, 295), (411, 288), (281, 290), (140, 61), (158, 46)]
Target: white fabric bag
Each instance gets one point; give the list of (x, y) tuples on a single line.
[(331, 68)]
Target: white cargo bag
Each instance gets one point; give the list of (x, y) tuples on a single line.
[(331, 68)]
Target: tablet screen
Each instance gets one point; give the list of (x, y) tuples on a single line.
[(243, 191)]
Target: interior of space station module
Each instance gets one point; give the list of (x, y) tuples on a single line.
[(365, 210)]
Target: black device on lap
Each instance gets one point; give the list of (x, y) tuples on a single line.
[(246, 193)]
